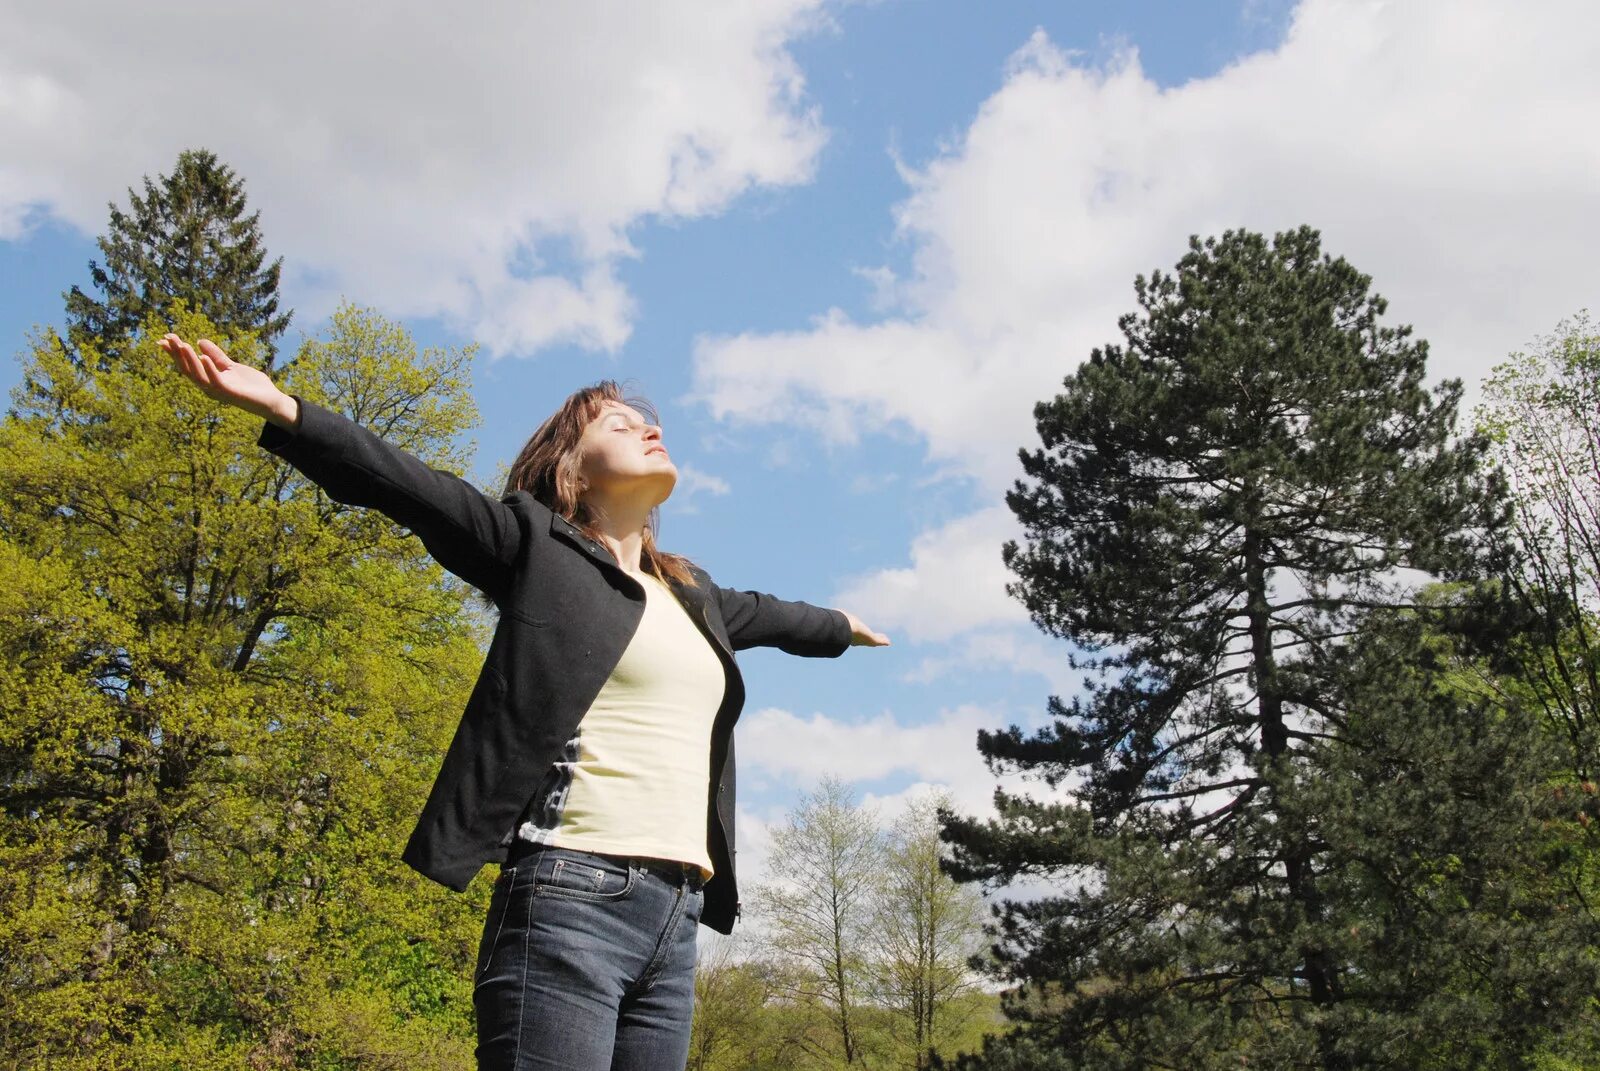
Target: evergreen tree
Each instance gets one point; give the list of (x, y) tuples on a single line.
[(1451, 866), (187, 238), (1222, 504)]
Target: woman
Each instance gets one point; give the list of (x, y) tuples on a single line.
[(594, 760)]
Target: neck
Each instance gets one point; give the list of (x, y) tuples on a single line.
[(620, 526)]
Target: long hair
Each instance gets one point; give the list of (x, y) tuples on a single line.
[(548, 467)]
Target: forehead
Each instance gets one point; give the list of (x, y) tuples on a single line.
[(618, 409)]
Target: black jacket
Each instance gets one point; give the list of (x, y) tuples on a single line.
[(567, 612)]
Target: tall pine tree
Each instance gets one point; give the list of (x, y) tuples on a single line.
[(1220, 505), (188, 238)]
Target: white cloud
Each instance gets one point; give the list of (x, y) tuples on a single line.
[(783, 744), (1021, 650), (485, 168), (775, 744), (955, 583), (693, 481), (1447, 150)]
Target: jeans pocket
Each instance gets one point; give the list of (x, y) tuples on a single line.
[(494, 922), (583, 876)]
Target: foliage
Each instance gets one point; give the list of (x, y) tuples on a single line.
[(926, 927), (819, 910), (1226, 519), (1542, 410), (860, 954), (227, 698)]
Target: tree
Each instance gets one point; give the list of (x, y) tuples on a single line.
[(1220, 505), (730, 1000), (226, 697), (1543, 413), (926, 927), (187, 238), (826, 857), (1452, 853)]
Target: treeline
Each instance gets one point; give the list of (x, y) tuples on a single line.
[(858, 950), (1327, 799)]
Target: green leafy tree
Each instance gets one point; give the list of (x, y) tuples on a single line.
[(926, 928), (732, 1026), (1542, 410), (227, 695), (818, 911), (1219, 506), (188, 238)]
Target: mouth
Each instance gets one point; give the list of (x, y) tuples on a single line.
[(656, 450)]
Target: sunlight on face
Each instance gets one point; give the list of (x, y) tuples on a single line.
[(623, 456)]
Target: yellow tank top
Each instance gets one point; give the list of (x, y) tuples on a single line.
[(633, 781)]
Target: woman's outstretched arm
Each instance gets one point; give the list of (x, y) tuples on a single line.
[(471, 534), (756, 619)]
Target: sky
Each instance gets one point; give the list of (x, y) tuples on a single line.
[(844, 248)]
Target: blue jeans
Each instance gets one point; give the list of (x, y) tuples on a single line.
[(587, 963)]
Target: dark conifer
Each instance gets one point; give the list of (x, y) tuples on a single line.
[(1222, 506), (187, 238)]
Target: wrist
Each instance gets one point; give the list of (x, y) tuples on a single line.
[(284, 412)]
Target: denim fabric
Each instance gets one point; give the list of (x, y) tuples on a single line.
[(587, 963)]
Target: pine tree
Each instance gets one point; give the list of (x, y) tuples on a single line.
[(187, 238), (1220, 507)]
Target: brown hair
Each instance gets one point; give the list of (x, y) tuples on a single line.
[(548, 467)]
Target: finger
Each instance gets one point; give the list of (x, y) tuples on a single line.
[(198, 368), (214, 351), (175, 348), (183, 357)]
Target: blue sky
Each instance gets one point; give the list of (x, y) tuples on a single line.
[(843, 247)]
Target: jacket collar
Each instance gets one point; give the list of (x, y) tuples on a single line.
[(692, 597)]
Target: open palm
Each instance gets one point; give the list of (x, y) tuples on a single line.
[(222, 378)]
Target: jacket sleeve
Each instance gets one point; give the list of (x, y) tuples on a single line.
[(474, 536), (754, 619)]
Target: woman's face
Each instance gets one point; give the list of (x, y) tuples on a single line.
[(622, 455)]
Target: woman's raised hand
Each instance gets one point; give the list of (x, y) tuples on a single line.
[(230, 381), (861, 635)]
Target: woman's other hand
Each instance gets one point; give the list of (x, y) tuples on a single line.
[(861, 635), (230, 381)]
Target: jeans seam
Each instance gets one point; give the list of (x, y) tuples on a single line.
[(522, 983), (509, 876), (653, 970)]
